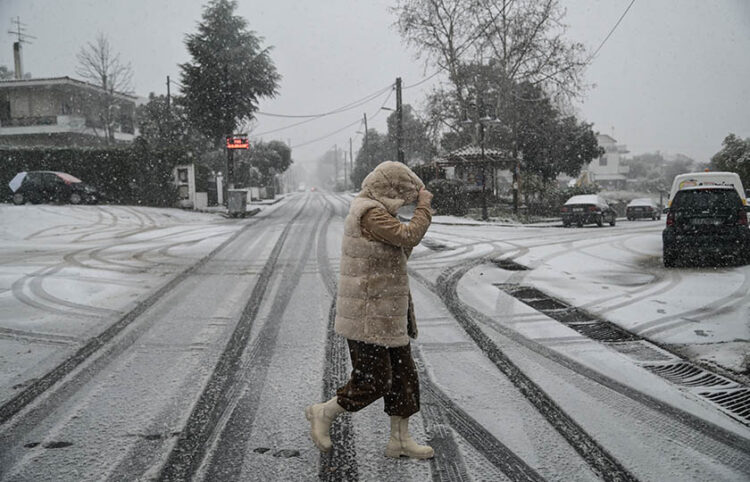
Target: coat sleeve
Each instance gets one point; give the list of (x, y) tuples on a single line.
[(381, 226)]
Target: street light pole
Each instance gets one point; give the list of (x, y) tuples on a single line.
[(399, 123), (484, 176)]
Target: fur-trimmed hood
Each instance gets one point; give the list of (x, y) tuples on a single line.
[(392, 184)]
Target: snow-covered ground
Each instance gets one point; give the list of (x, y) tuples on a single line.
[(69, 272), (617, 273)]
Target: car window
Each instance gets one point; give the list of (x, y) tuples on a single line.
[(707, 199), (51, 179)]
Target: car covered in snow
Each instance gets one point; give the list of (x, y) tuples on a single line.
[(706, 220), (642, 208), (587, 209), (51, 186)]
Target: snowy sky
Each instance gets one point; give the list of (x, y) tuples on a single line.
[(673, 76)]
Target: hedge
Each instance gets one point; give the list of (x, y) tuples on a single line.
[(131, 175), (450, 196)]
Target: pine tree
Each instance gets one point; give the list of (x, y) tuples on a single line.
[(229, 72)]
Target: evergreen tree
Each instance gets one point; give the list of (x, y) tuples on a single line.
[(734, 156), (229, 72)]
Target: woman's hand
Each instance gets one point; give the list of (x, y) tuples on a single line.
[(424, 197)]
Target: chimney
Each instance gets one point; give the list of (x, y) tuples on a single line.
[(17, 59)]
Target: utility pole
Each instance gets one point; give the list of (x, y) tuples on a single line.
[(168, 95), (399, 123), (351, 158), (335, 165), (484, 172), (369, 159), (344, 169)]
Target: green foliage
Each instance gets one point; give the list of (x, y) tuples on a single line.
[(6, 73), (416, 145), (376, 150), (734, 156), (415, 142), (135, 175), (229, 72), (450, 197), (259, 165), (427, 172), (163, 127)]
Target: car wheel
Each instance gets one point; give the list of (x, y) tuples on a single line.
[(75, 198), (566, 224), (579, 224), (18, 199)]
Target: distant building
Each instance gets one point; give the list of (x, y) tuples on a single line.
[(61, 111), (606, 170)]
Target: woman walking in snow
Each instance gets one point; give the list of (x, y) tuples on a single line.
[(374, 311)]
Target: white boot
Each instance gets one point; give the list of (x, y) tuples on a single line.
[(321, 416), (401, 442)]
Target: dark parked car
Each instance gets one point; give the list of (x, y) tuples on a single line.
[(587, 209), (642, 208), (50, 186), (705, 221)]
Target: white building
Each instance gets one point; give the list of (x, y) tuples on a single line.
[(606, 170), (62, 111)]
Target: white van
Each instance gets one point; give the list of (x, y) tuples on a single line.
[(698, 179)]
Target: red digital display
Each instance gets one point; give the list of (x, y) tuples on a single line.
[(237, 143)]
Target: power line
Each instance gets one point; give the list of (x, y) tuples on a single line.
[(278, 129), (344, 108), (610, 32), (421, 81), (358, 121)]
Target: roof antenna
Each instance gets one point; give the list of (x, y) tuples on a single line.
[(23, 38)]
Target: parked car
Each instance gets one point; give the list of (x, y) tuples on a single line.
[(707, 179), (587, 209), (706, 220), (642, 208), (50, 186)]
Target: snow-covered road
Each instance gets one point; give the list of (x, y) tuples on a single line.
[(157, 344)]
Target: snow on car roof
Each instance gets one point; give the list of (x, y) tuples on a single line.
[(585, 199), (644, 201)]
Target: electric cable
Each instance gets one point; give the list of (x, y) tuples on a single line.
[(346, 126), (422, 81), (610, 33), (338, 110), (289, 126)]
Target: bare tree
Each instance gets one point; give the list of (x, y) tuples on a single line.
[(103, 67), (487, 48), (525, 38)]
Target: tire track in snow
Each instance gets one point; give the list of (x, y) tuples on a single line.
[(601, 462), (233, 432), (97, 343), (343, 453), (186, 456), (438, 412), (682, 424)]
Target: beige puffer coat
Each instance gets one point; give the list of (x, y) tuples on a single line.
[(373, 290)]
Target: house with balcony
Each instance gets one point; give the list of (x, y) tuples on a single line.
[(63, 112), (606, 170)]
